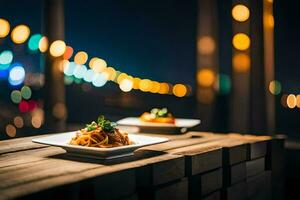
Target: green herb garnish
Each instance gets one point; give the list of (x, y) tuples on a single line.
[(92, 126), (160, 112), (106, 125)]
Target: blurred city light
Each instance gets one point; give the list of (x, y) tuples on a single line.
[(11, 131), (43, 44), (99, 80), (241, 62), (206, 45), (16, 96), (81, 57), (20, 34), (241, 41), (16, 75), (205, 77), (179, 90), (57, 48), (291, 101), (4, 28), (275, 87), (126, 85), (26, 92), (240, 13), (34, 41)]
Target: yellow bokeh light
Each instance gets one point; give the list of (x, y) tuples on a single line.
[(20, 34), (240, 13), (97, 64), (155, 87), (206, 45), (126, 85), (241, 41), (145, 85), (205, 77), (136, 83), (298, 101), (269, 20), (81, 57), (241, 62), (4, 28), (291, 101), (110, 73), (164, 88), (57, 48), (121, 77), (179, 90), (43, 44), (10, 130), (19, 122)]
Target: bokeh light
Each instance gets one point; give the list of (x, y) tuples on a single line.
[(11, 130), (126, 85), (121, 77), (59, 111), (155, 87), (6, 58), (291, 101), (240, 13), (99, 80), (164, 88), (68, 53), (224, 84), (283, 100), (206, 45), (16, 96), (80, 71), (34, 41), (241, 41), (145, 85), (269, 20), (37, 117), (4, 28), (16, 75), (57, 48), (18, 122), (110, 73), (88, 77), (81, 57), (136, 83), (275, 87), (69, 68), (179, 90), (20, 34), (298, 101), (97, 64), (26, 92), (205, 77), (43, 44), (241, 62), (23, 106)]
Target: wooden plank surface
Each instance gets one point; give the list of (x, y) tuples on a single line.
[(26, 168)]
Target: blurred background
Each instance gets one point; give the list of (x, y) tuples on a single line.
[(233, 64)]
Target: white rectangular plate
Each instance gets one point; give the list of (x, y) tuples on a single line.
[(62, 140), (179, 123)]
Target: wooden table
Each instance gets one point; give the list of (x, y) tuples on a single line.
[(191, 166)]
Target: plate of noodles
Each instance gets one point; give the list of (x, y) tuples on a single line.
[(159, 120), (99, 139)]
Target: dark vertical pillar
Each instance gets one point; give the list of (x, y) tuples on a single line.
[(258, 87), (54, 79)]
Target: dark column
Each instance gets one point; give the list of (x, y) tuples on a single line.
[(54, 78)]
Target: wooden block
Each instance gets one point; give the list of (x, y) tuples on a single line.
[(234, 174), (256, 149), (174, 190), (255, 167), (234, 154), (203, 184), (200, 158), (213, 196), (178, 190), (161, 172), (235, 192), (259, 187)]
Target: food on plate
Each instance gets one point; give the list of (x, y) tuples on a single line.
[(157, 115), (102, 133)]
